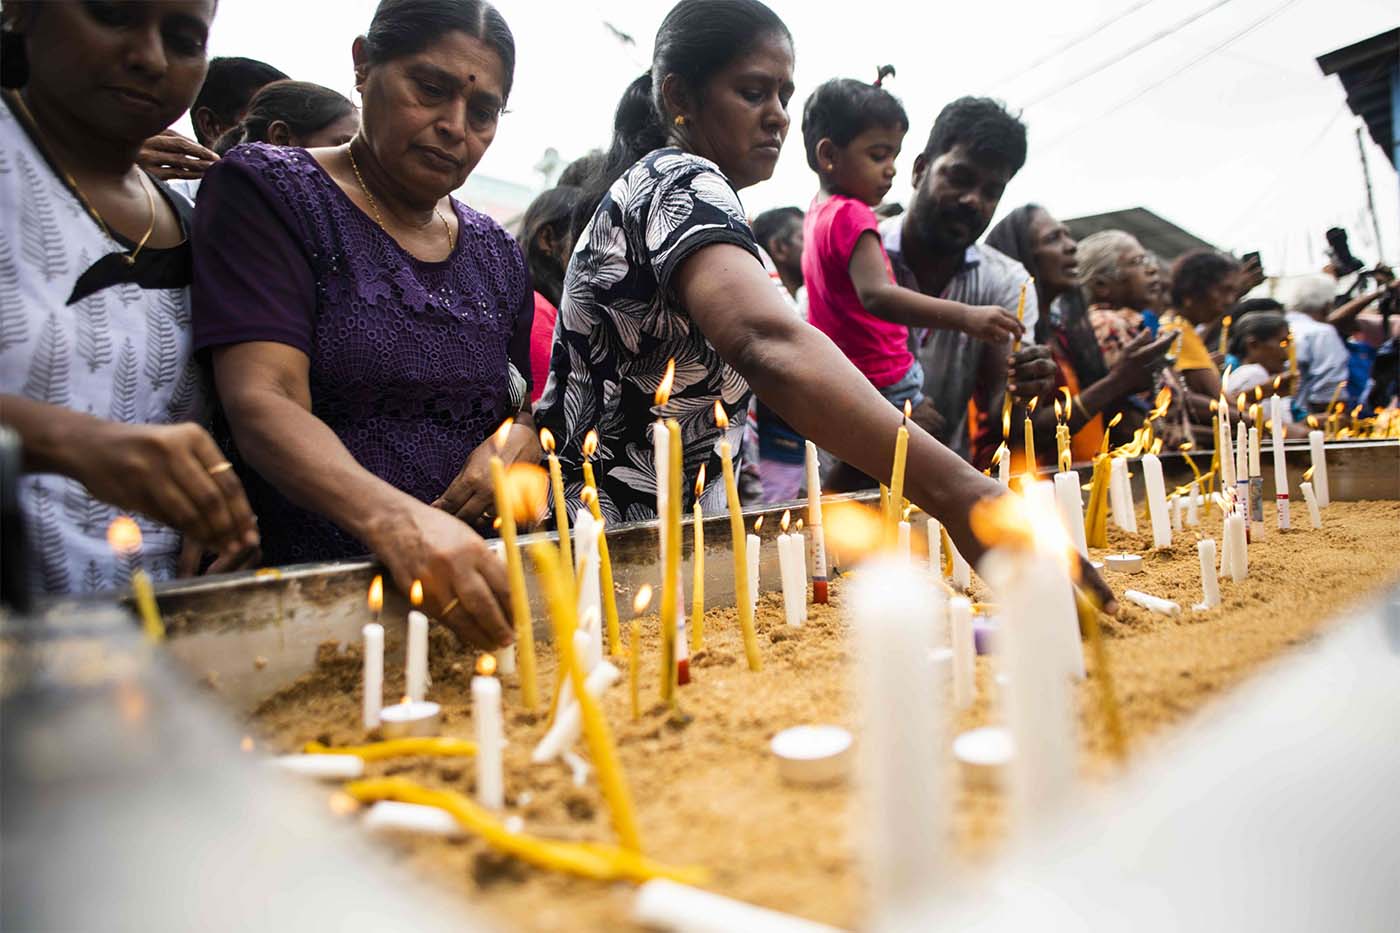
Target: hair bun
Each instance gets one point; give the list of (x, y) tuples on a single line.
[(881, 73)]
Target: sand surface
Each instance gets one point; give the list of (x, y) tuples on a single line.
[(706, 788)]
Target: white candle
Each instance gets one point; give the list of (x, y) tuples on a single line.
[(490, 741), (1318, 449), (373, 634), (799, 562), (322, 767), (1060, 607), (903, 734), (661, 455), (568, 723), (902, 548), (668, 905), (751, 546), (390, 816), (1152, 603), (787, 579), (1311, 499), (1255, 488), (1175, 500), (1227, 451), (964, 651), (1157, 501), (1192, 518), (1037, 694), (814, 520), (1210, 583), (1004, 467), (1242, 466), (410, 719), (1120, 489), (1280, 462), (416, 667), (1071, 507), (962, 573), (935, 547), (1238, 546), (587, 568)]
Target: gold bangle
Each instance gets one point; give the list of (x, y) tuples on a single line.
[(220, 467), (446, 610)]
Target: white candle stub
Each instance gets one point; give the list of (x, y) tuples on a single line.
[(325, 767), (983, 755), (812, 754), (390, 816), (1152, 603), (410, 719), (1123, 563), (666, 905)]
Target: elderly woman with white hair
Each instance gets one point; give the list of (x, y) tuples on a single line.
[(1321, 353)]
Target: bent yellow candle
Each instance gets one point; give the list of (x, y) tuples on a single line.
[(515, 575), (435, 746), (742, 604)]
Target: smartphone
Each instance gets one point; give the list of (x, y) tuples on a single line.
[(1254, 257)]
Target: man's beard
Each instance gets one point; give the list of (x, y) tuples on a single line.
[(932, 227)]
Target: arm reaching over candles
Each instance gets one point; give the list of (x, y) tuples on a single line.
[(471, 497)]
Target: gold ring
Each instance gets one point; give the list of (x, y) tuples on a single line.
[(447, 610), (220, 467)]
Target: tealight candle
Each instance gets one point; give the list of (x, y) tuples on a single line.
[(812, 754), (814, 520), (984, 755), (409, 719), (1123, 563)]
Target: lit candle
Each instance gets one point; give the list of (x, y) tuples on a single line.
[(901, 456), (1280, 462), (374, 656), (1242, 462), (1030, 441), (1227, 452), (634, 654), (1318, 450), (1210, 583), (792, 599), (1238, 545), (416, 661), (1311, 499), (124, 537), (751, 553), (902, 547), (1157, 501), (743, 585), (814, 520), (964, 651), (1096, 516), (904, 802), (1256, 484), (1225, 334), (1063, 457), (1071, 508), (590, 448), (561, 508), (697, 559), (671, 581), (1002, 459), (506, 499), (490, 735)]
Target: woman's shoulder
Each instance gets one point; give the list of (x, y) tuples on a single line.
[(279, 167), (487, 230)]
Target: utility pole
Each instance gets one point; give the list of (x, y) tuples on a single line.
[(1370, 199)]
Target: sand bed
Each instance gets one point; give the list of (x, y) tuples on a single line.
[(706, 789)]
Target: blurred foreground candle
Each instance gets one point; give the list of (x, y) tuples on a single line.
[(964, 651), (744, 585), (962, 571), (1280, 462), (1318, 450), (668, 905), (1157, 501), (1311, 499), (904, 802), (814, 520), (1210, 584), (416, 661), (490, 735)]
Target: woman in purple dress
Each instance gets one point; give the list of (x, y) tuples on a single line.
[(368, 333)]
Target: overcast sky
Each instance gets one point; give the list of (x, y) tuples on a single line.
[(1224, 126)]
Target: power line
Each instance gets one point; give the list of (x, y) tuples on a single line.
[(1071, 43), (1126, 53)]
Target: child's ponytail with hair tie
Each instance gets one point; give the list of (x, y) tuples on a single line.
[(881, 73)]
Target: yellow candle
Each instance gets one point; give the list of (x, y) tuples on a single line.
[(515, 576), (634, 671), (1292, 353), (1030, 442), (896, 496), (697, 606), (1096, 515), (124, 537), (611, 780), (1021, 311), (1225, 334), (1112, 423), (435, 746), (561, 507), (590, 447), (740, 545), (670, 592)]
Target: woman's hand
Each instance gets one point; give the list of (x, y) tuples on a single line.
[(464, 583), (471, 496), (168, 155), (192, 555), (1140, 361), (1031, 373)]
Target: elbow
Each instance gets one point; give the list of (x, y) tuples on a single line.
[(766, 348)]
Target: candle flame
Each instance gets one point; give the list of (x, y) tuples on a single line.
[(1113, 422), (721, 417), (588, 496), (700, 481), (1069, 402), (1006, 418), (663, 389), (642, 600), (1259, 393), (855, 529), (342, 804), (527, 491), (590, 444), (1312, 421), (1186, 447), (486, 665), (1214, 406), (376, 594), (547, 440), (496, 523), (1278, 381), (907, 510), (908, 410), (247, 743), (1011, 521), (415, 594), (996, 457), (503, 434), (1240, 403), (1161, 403), (797, 526), (1031, 406), (124, 535), (1226, 322), (1308, 475), (1059, 411), (758, 524), (1157, 446), (786, 520)]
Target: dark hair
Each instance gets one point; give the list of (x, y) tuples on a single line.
[(303, 106), (696, 40), (990, 133), (1253, 306), (406, 27), (842, 108), (1259, 325), (578, 171), (776, 224), (228, 87), (1197, 272), (553, 210)]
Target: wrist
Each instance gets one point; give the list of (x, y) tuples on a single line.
[(62, 441), (380, 526)]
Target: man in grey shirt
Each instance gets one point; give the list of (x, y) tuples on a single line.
[(973, 151)]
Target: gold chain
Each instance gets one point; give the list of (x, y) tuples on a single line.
[(130, 258), (374, 205)]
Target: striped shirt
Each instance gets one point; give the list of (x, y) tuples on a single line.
[(959, 368)]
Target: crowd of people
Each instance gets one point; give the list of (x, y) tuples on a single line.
[(287, 341)]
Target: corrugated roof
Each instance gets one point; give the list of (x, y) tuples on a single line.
[(1368, 70), (1155, 233)]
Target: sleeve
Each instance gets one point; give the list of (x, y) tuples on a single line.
[(691, 206), (847, 223), (252, 279), (519, 348)]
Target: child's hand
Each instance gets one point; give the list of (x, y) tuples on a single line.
[(991, 323)]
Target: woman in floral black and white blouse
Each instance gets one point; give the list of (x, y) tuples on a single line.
[(667, 268)]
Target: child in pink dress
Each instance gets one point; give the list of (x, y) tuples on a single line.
[(853, 133)]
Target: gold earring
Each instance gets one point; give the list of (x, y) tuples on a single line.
[(680, 120)]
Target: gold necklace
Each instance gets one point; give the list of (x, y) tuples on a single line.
[(129, 258), (374, 205)]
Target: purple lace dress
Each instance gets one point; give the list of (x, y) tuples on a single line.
[(410, 360)]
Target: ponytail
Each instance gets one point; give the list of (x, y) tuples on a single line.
[(883, 72), (637, 130)]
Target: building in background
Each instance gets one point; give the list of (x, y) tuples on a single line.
[(1156, 234)]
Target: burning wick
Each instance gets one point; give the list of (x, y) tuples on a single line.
[(124, 537)]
